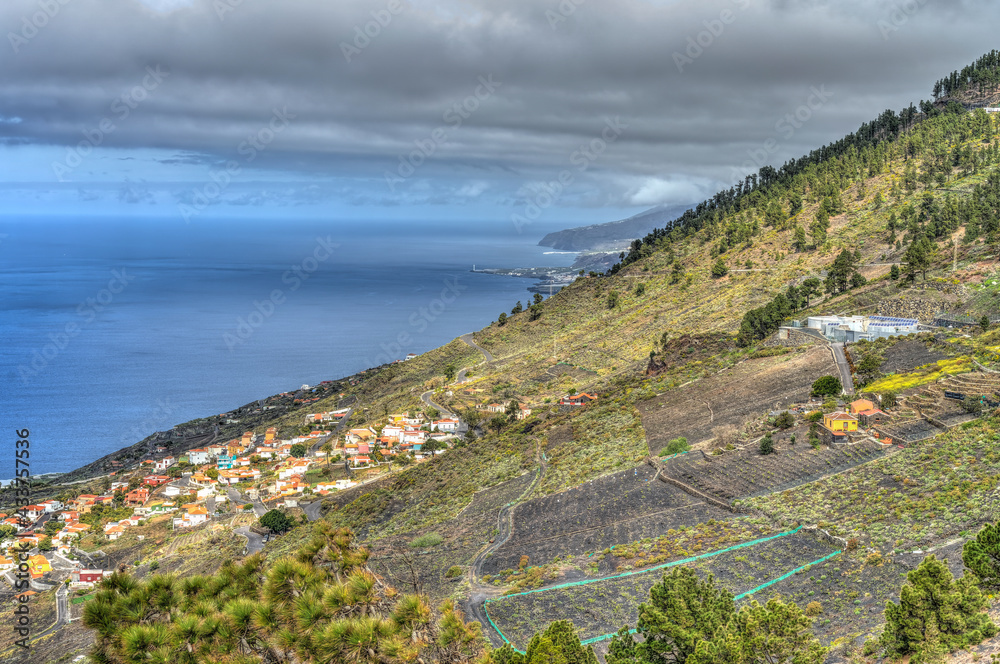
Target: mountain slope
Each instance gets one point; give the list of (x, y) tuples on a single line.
[(613, 235)]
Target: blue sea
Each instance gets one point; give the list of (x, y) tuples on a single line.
[(114, 329)]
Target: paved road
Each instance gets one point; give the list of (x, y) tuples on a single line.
[(238, 499), (312, 509), (467, 338), (255, 542), (426, 398), (845, 368), (340, 427), (62, 604)]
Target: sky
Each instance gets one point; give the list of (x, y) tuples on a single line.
[(585, 110)]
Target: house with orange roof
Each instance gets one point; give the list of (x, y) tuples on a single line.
[(199, 456), (114, 532), (6, 564), (447, 424), (859, 405), (361, 461), (136, 497), (155, 480), (195, 515), (580, 399)]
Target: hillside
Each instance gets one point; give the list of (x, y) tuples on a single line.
[(573, 512)]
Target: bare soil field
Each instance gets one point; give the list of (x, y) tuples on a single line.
[(615, 509), (733, 396), (905, 356), (605, 606), (464, 536), (745, 473)]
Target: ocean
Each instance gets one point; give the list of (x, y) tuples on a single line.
[(114, 329)]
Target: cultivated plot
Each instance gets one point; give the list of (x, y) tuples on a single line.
[(614, 509), (603, 606)]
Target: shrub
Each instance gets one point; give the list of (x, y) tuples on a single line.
[(676, 446), (827, 386), (888, 399), (785, 420), (767, 444), (453, 572), (814, 609), (426, 541), (814, 416)]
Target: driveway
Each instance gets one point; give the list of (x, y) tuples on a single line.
[(845, 368)]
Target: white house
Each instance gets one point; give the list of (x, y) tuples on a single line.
[(199, 457), (414, 436), (392, 431), (51, 506), (164, 463), (447, 424)]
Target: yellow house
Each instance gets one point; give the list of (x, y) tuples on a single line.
[(271, 433), (840, 422), (39, 564)]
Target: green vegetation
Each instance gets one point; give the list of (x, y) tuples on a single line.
[(676, 446), (982, 556), (559, 643), (827, 386), (277, 521), (936, 614), (426, 541), (690, 621), (321, 605)]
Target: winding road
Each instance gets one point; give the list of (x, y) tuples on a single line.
[(467, 338), (255, 542)]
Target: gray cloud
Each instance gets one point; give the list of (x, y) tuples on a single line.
[(223, 76)]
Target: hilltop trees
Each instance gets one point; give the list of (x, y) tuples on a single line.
[(935, 614), (918, 257), (843, 274), (321, 605)]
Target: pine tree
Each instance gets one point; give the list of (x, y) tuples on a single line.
[(799, 239), (982, 556), (682, 610), (719, 269), (894, 272), (935, 611), (775, 632)]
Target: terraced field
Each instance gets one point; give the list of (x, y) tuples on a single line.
[(615, 509), (602, 606), (745, 473)]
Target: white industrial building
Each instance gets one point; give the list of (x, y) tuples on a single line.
[(856, 328)]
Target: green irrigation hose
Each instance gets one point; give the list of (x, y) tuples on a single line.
[(605, 637), (683, 561), (710, 554)]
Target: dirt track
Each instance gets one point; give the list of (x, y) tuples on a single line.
[(733, 396)]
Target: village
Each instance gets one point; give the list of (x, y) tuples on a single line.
[(251, 474)]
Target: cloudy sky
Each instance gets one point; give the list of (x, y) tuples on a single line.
[(593, 109)]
